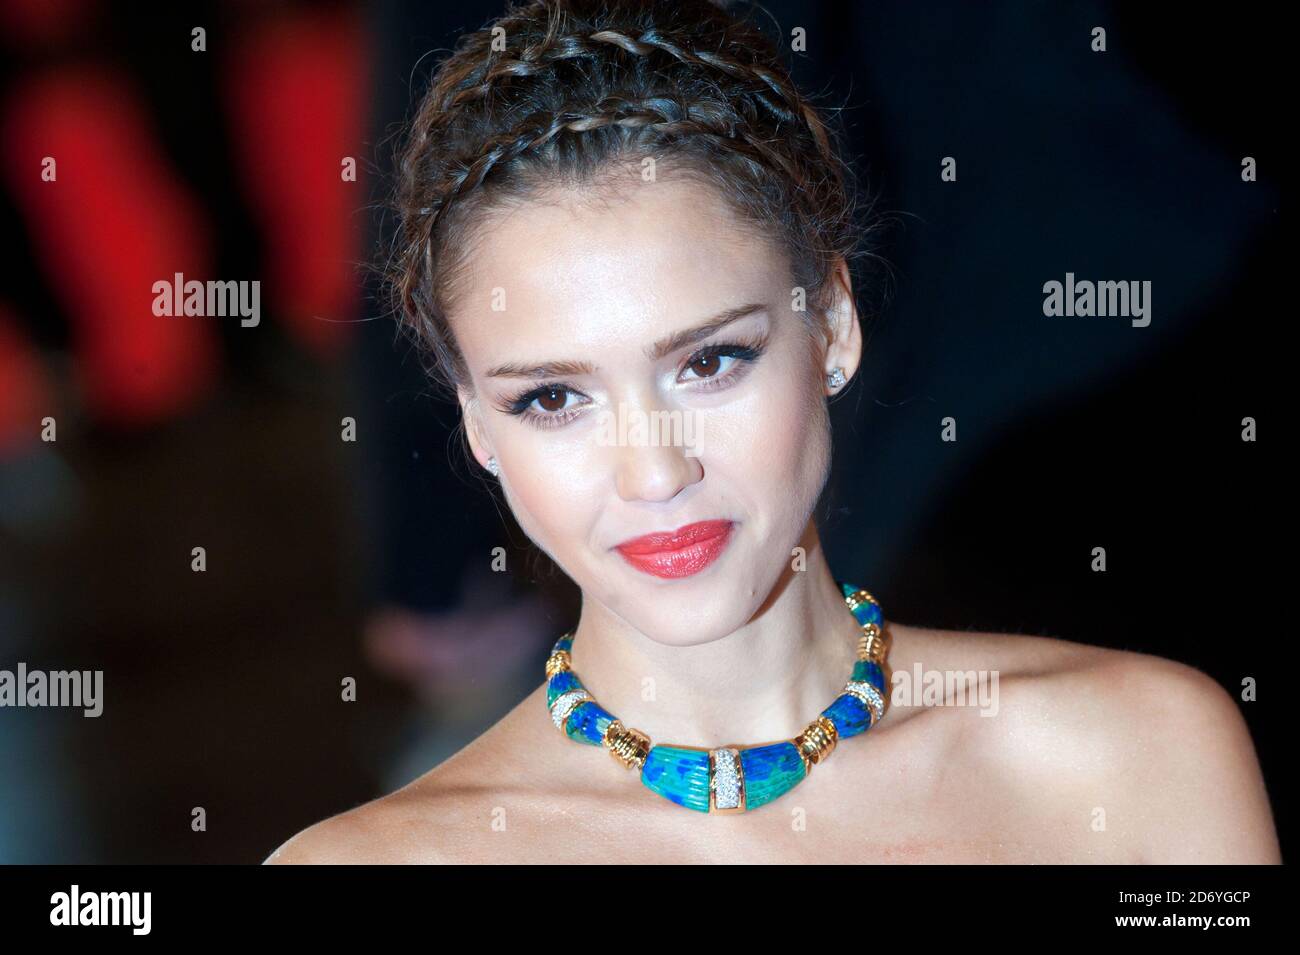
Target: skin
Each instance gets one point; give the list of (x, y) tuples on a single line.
[(1092, 755)]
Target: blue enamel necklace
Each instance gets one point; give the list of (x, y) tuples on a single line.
[(730, 779)]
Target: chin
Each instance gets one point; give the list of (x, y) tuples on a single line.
[(674, 634), (702, 617)]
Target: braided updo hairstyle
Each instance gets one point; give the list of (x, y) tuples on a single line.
[(566, 93)]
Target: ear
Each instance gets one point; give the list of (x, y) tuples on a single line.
[(474, 431), (844, 348)]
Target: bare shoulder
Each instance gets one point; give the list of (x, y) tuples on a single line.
[(357, 836), (1151, 750), (1184, 766), (430, 820), (397, 828)]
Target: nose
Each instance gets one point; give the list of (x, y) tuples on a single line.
[(647, 471)]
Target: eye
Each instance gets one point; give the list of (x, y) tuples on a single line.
[(552, 400), (708, 366), (718, 365)]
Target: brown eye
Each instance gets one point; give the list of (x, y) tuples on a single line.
[(557, 395), (707, 366)]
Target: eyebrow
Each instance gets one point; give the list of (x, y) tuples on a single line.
[(660, 349)]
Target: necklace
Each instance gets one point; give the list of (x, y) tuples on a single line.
[(730, 779)]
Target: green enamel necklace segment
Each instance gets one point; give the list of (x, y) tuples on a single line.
[(680, 774), (729, 779)]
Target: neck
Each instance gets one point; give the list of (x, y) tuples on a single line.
[(764, 682)]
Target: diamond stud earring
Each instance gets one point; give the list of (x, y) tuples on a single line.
[(493, 466), (835, 379)]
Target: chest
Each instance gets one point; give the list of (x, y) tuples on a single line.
[(921, 793), (798, 834), (852, 815)]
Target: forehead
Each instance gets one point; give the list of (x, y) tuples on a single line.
[(578, 269)]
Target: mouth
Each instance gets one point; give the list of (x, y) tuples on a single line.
[(680, 553)]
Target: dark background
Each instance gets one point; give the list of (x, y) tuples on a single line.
[(329, 559)]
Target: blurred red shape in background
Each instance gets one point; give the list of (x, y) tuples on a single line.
[(297, 90), (25, 394), (114, 221)]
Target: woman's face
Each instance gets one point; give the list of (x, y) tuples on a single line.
[(639, 426)]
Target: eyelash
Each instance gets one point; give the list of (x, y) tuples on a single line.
[(745, 352)]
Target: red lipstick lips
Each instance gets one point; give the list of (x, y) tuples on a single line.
[(679, 553)]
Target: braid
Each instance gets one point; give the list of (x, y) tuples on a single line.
[(579, 85)]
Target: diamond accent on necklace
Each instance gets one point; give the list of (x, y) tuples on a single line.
[(869, 695), (564, 705), (726, 781)]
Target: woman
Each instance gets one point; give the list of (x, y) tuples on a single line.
[(625, 244)]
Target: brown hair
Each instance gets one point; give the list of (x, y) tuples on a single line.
[(562, 91)]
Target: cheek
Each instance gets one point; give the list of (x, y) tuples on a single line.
[(552, 491), (797, 433), (776, 446)]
